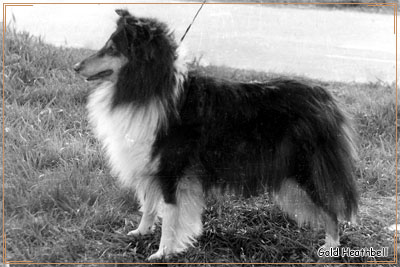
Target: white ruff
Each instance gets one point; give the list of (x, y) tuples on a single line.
[(127, 134)]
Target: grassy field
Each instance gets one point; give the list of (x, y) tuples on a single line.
[(62, 205)]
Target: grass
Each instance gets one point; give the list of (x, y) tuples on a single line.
[(62, 205)]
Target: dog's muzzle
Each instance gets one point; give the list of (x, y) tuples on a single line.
[(79, 66)]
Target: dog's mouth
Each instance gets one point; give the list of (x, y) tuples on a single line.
[(100, 75)]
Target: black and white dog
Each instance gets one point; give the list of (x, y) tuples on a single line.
[(174, 135)]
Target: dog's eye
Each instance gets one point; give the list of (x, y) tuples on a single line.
[(112, 47)]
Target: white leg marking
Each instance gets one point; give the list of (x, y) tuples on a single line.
[(181, 222), (145, 225), (149, 194), (331, 242), (332, 232)]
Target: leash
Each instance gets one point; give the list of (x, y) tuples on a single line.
[(194, 18)]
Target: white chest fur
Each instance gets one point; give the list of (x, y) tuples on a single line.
[(127, 134)]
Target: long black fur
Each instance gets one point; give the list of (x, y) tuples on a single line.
[(242, 137)]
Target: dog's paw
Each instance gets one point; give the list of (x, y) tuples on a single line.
[(135, 232), (328, 247), (158, 256), (327, 251), (166, 253), (139, 232)]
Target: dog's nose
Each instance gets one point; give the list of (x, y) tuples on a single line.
[(77, 67)]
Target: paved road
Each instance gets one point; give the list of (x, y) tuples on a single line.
[(322, 44)]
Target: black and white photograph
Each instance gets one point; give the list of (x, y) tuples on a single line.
[(199, 132)]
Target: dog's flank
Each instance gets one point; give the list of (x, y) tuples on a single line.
[(174, 136)]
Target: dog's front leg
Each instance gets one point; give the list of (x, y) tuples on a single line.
[(149, 195), (181, 222), (146, 224), (171, 233)]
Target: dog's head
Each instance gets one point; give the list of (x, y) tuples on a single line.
[(136, 40)]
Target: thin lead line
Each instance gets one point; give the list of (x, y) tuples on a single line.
[(397, 177), (3, 197), (195, 16)]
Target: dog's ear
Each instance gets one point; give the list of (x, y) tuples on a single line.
[(122, 12)]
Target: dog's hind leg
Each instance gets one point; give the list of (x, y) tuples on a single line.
[(294, 200), (181, 222), (331, 231)]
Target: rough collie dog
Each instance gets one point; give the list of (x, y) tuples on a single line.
[(174, 136)]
